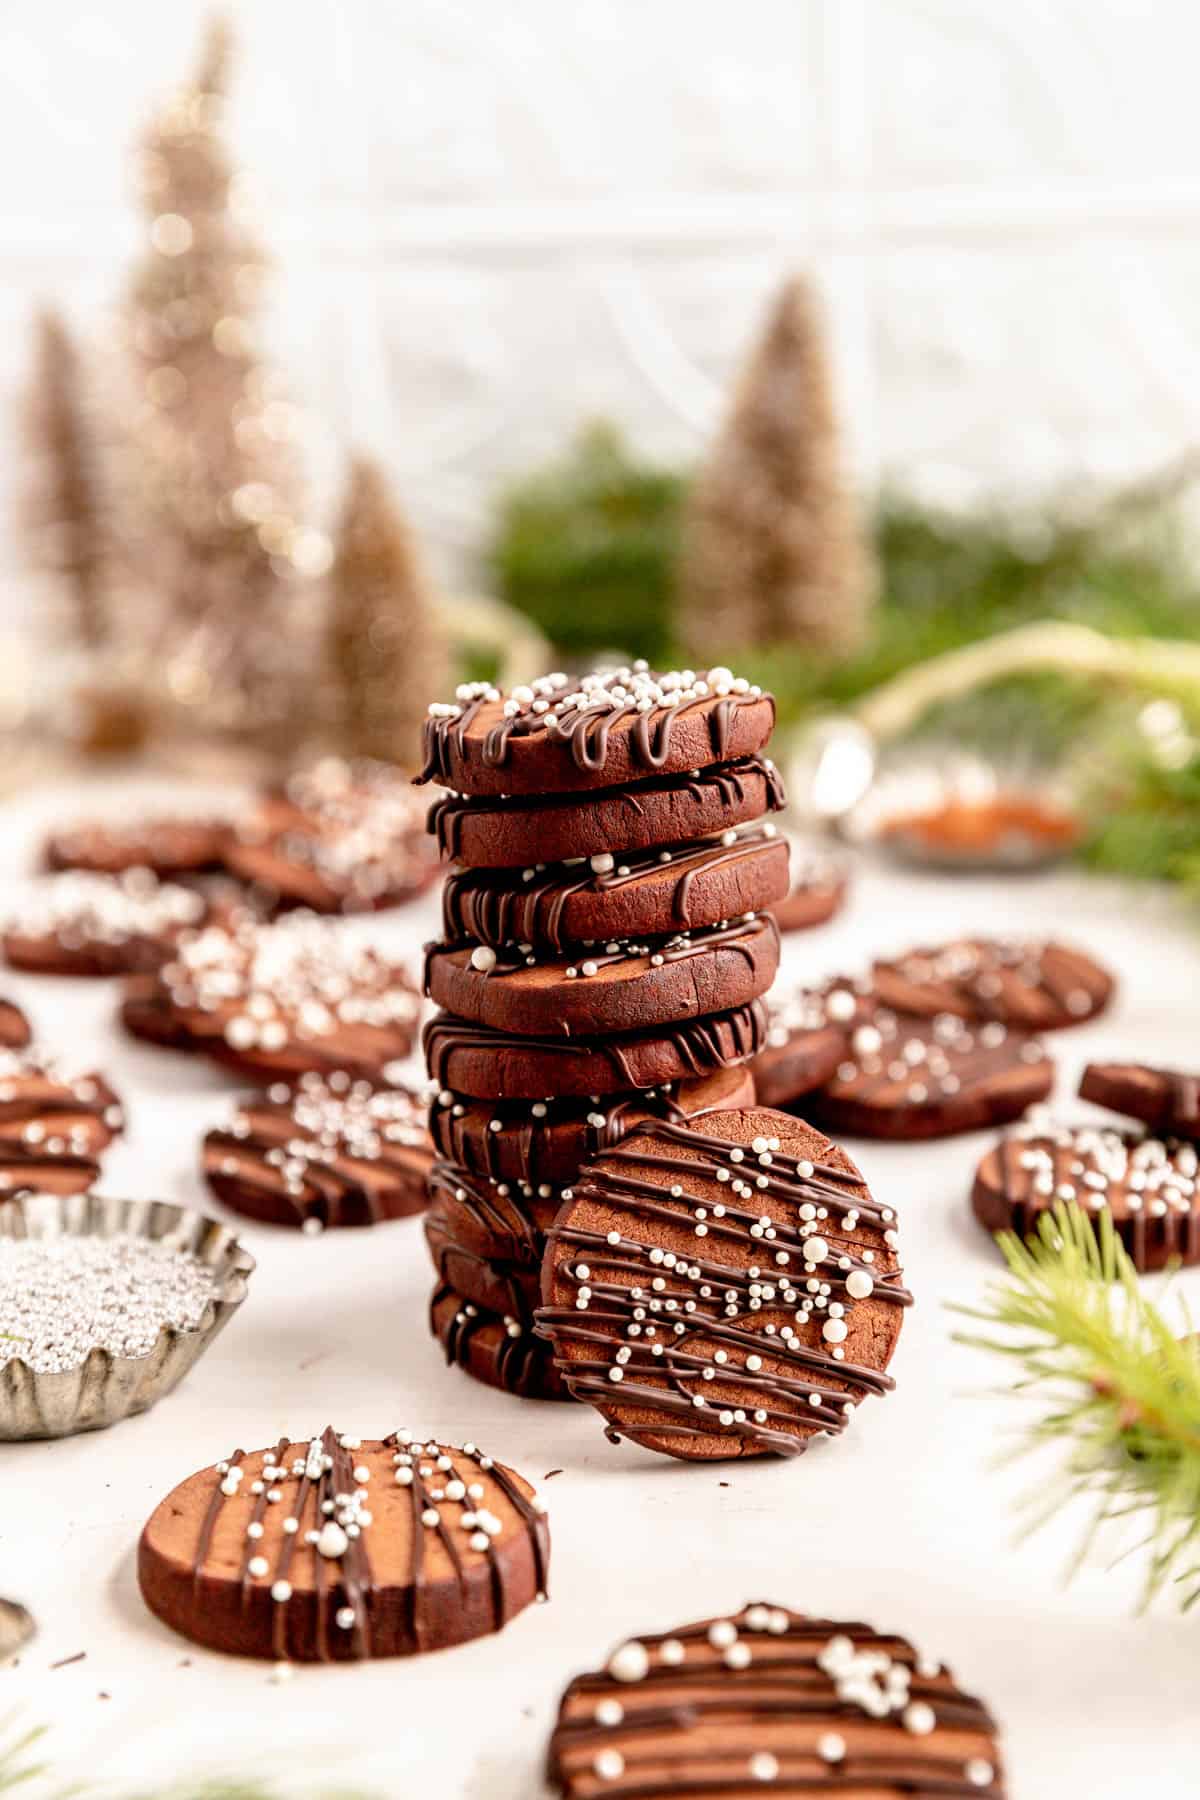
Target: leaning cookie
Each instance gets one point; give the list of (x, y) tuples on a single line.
[(329, 1151), (603, 730), (1165, 1099), (724, 1288), (1147, 1186), (82, 924), (1032, 984), (338, 1549), (771, 1701), (909, 1077), (619, 986)]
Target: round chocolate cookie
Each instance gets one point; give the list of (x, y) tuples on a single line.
[(341, 1549), (340, 838), (816, 891), (496, 1221), (723, 1288), (166, 844), (808, 1033), (330, 1151), (15, 1030), (908, 1077), (622, 986), (1148, 1186), (1031, 984), (492, 1065), (532, 833), (498, 1285), (1164, 1099), (78, 923), (50, 1111), (497, 1350), (617, 725), (647, 893), (771, 1701), (276, 1000), (540, 1141)]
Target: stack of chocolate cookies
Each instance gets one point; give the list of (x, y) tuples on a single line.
[(604, 955)]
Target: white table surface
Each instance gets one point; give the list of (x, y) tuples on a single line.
[(902, 1522)]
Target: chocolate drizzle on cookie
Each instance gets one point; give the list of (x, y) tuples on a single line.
[(679, 1318), (771, 1698)]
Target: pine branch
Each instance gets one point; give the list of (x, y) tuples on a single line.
[(1116, 1388)]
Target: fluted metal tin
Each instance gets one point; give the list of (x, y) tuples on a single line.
[(106, 1388)]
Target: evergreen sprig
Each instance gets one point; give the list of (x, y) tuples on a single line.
[(1116, 1388)]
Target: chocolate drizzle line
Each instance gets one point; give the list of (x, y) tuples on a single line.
[(693, 1724), (730, 780), (520, 1359), (714, 1301)]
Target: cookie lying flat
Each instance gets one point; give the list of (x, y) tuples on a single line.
[(622, 822), (808, 1035), (15, 1030), (54, 1111), (616, 725), (82, 924), (1148, 1186), (166, 844), (330, 1151), (724, 1288), (771, 1701), (643, 893), (547, 1140), (498, 1285), (350, 840), (1031, 984), (621, 985), (909, 1077), (816, 890), (1164, 1099), (494, 1349), (336, 1550), (492, 1065), (496, 1221), (276, 1000)]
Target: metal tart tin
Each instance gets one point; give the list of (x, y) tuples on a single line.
[(105, 1388)]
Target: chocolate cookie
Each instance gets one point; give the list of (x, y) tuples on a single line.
[(494, 1349), (340, 838), (532, 833), (498, 1285), (641, 895), (166, 844), (808, 1035), (617, 725), (99, 925), (771, 1701), (1032, 984), (54, 1111), (817, 889), (542, 1141), (1164, 1099), (723, 1288), (341, 1549), (1147, 1186), (276, 1000), (622, 985), (330, 1151), (495, 1221), (15, 1030), (492, 1065), (909, 1077)]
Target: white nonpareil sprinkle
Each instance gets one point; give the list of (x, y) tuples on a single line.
[(63, 1297)]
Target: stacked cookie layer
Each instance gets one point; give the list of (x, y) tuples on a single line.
[(605, 952)]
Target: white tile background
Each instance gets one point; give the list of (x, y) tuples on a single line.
[(491, 220)]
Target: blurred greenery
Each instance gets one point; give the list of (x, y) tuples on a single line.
[(587, 547)]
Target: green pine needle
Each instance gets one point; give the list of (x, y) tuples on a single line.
[(1118, 1391)]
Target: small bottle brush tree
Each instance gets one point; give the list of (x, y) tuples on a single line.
[(387, 652), (212, 486), (773, 548)]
